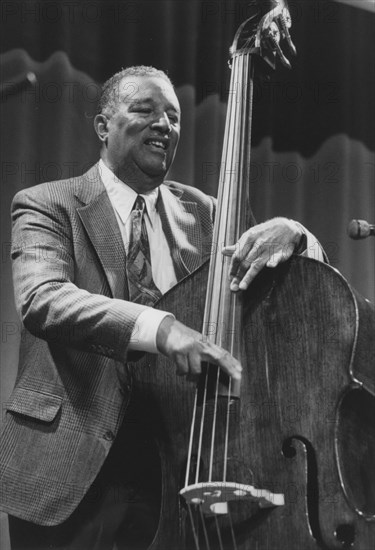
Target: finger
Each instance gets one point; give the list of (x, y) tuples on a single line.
[(230, 366), (229, 250), (182, 365), (243, 248), (195, 363), (224, 360), (243, 268), (281, 255), (234, 285), (234, 263), (250, 275), (275, 259), (256, 255)]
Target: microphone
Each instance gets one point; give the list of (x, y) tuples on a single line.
[(360, 229)]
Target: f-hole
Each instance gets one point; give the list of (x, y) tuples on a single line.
[(312, 486)]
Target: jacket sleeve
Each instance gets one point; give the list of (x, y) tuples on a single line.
[(310, 246), (48, 301)]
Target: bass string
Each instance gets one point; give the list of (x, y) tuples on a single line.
[(201, 428), (193, 528), (213, 312), (237, 157), (191, 438), (236, 310), (212, 451), (241, 68), (231, 159), (242, 156), (204, 526), (218, 532), (238, 69)]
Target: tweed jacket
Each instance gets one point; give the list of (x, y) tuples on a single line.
[(71, 293)]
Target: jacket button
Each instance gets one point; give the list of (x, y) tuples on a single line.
[(109, 435)]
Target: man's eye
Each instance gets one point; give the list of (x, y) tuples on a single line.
[(142, 110)]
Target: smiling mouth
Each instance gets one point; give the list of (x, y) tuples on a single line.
[(157, 143)]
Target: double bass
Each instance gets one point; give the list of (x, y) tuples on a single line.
[(283, 461)]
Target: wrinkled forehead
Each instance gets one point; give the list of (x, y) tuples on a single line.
[(147, 88)]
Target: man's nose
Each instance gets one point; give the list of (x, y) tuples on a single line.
[(162, 123)]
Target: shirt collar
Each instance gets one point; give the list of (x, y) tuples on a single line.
[(123, 197)]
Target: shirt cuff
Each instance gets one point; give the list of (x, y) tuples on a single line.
[(143, 337), (311, 246)]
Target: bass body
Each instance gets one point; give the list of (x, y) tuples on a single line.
[(304, 430)]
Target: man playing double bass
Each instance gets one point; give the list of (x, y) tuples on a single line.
[(91, 255)]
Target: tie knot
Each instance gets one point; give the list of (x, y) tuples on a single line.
[(139, 203)]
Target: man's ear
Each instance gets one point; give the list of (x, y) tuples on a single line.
[(101, 127)]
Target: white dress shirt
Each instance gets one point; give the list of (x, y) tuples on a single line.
[(122, 198)]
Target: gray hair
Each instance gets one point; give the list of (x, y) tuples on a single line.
[(109, 96)]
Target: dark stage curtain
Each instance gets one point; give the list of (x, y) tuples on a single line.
[(313, 138)]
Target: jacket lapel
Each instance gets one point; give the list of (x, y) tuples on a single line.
[(180, 222), (181, 226), (99, 220)]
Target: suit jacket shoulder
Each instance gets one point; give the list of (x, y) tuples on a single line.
[(189, 193)]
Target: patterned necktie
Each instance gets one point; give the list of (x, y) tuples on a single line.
[(142, 288)]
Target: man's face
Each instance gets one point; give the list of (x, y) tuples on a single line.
[(143, 132)]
